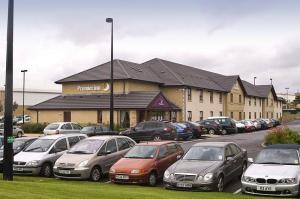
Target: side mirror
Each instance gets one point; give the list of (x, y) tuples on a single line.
[(229, 158), (178, 157), (250, 160)]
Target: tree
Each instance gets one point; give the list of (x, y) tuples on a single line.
[(15, 106), (297, 100)]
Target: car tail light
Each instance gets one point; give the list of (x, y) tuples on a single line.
[(167, 129), (57, 132)]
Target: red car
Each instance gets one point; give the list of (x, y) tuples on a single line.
[(146, 163)]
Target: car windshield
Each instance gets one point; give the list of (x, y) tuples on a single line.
[(204, 153), (278, 156), (17, 144), (40, 145), (88, 128), (87, 146), (52, 127), (143, 152)]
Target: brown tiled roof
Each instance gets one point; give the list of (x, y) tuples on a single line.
[(132, 100)]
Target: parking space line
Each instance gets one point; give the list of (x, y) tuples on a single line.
[(237, 191)]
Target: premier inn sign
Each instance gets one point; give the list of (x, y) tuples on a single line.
[(106, 87)]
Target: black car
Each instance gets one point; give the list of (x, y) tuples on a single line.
[(18, 145), (196, 128), (97, 130), (151, 130), (212, 127), (228, 125)]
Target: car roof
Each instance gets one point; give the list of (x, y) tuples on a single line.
[(26, 138), (284, 146), (57, 136), (218, 117), (215, 144), (106, 137), (155, 143)]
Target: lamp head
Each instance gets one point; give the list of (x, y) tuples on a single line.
[(109, 20)]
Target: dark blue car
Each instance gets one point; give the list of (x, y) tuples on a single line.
[(183, 132)]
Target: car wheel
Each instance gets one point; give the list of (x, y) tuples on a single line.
[(46, 170), (96, 174), (152, 179), (19, 134), (211, 132), (224, 132), (220, 185), (156, 138)]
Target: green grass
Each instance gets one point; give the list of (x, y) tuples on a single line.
[(36, 187)]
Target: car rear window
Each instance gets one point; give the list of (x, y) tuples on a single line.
[(52, 127)]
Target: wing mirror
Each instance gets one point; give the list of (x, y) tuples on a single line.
[(229, 158), (178, 157), (250, 160)]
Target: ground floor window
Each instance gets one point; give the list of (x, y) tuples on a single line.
[(99, 116), (221, 113), (272, 115), (231, 114), (240, 115), (124, 119), (173, 116), (157, 115), (211, 113), (67, 116), (277, 115), (244, 116), (249, 115), (259, 114), (254, 115), (267, 114), (189, 116)]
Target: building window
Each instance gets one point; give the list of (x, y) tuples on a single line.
[(189, 94), (277, 104), (201, 115), (280, 104), (189, 115), (249, 101), (259, 114), (280, 115), (221, 113), (211, 113), (231, 97), (255, 101), (244, 115), (201, 95), (240, 115), (240, 99), (254, 115), (231, 114), (277, 115), (220, 98), (211, 96), (259, 102), (124, 119), (267, 102), (67, 116), (99, 117), (249, 115), (174, 116), (272, 115), (272, 102), (267, 114)]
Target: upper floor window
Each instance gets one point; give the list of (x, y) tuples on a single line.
[(231, 97), (240, 99), (220, 98), (267, 102), (201, 95), (259, 102), (189, 94), (189, 115), (255, 101), (211, 97), (249, 101)]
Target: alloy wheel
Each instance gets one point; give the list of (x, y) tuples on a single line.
[(220, 185), (157, 138), (211, 132), (95, 174), (152, 179)]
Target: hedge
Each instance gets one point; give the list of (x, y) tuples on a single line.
[(282, 136), (33, 127)]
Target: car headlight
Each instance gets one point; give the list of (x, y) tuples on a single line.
[(135, 171), (288, 181), (208, 177), (112, 171), (83, 163), (167, 174), (248, 179), (200, 178), (33, 163)]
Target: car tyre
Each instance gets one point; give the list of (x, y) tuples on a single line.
[(156, 137), (96, 174), (224, 132), (46, 170), (211, 132), (152, 179), (19, 134), (220, 184)]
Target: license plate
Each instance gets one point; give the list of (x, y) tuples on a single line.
[(18, 169), (122, 177), (266, 188), (64, 171), (184, 185)]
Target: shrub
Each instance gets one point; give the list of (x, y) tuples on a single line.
[(33, 127), (282, 136)]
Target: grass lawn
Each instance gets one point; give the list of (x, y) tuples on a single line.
[(36, 187)]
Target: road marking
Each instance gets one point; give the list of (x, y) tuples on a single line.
[(237, 191)]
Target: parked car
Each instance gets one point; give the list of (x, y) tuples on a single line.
[(17, 132), (18, 145), (92, 157), (249, 126), (39, 157), (151, 130), (62, 128), (275, 121), (263, 124), (207, 166), (1, 140), (97, 130), (240, 126), (212, 127), (275, 172), (269, 123), (196, 128), (228, 125), (146, 163), (257, 124), (183, 132)]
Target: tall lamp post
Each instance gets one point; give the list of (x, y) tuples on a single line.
[(23, 71), (8, 120), (254, 78), (111, 118), (271, 81), (287, 98)]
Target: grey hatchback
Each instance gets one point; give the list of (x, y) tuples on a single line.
[(207, 166)]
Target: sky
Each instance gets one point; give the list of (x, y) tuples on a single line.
[(57, 38)]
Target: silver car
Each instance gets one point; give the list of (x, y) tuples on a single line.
[(92, 157), (62, 128), (39, 157), (17, 132), (275, 172)]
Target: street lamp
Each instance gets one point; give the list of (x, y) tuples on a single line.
[(23, 71), (111, 118), (271, 81), (254, 78), (287, 98)]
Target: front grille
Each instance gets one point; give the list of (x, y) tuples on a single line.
[(68, 175), (185, 177), (19, 163), (261, 180), (66, 165), (268, 192), (266, 181), (271, 181)]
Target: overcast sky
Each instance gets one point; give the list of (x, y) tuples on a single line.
[(57, 38)]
